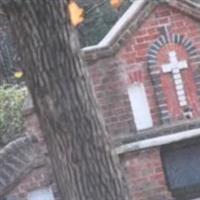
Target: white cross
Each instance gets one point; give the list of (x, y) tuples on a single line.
[(175, 66)]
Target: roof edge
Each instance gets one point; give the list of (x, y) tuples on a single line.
[(118, 27), (157, 141), (108, 45), (129, 22)]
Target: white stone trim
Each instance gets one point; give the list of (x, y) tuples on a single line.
[(118, 27), (140, 106), (175, 66), (41, 193), (128, 15), (157, 141)]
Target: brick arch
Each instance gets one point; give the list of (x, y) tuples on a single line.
[(154, 71), (164, 40), (17, 160)]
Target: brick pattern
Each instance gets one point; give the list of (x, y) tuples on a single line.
[(145, 176), (135, 76), (138, 60), (110, 87), (158, 55), (165, 21), (189, 7)]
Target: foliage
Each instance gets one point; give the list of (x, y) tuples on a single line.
[(11, 120), (77, 13), (100, 16)]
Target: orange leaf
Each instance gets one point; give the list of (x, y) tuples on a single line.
[(76, 13), (116, 3)]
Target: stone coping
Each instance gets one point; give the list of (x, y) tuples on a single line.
[(157, 141), (157, 131), (117, 28)]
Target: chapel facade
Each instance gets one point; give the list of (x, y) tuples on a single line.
[(146, 77), (149, 75)]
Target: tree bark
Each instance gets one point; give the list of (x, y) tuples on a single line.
[(64, 100)]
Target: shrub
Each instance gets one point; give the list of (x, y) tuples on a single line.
[(11, 103)]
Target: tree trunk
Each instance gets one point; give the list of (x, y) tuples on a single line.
[(84, 166)]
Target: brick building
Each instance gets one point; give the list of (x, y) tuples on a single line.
[(146, 76)]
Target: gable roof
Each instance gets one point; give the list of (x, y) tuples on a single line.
[(131, 21)]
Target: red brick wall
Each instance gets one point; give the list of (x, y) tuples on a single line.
[(112, 76), (109, 79), (145, 176)]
